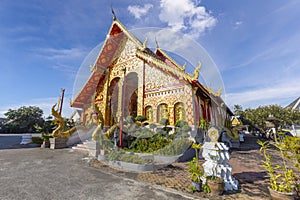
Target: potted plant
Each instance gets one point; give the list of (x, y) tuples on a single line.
[(196, 170), (292, 147), (214, 182), (282, 178)]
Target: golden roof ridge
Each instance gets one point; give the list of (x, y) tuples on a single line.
[(169, 58), (163, 65)]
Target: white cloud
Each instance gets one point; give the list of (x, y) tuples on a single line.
[(138, 11), (237, 24), (281, 93), (186, 16), (62, 54), (62, 59)]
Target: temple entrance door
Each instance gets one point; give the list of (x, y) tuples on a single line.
[(131, 95), (112, 104), (133, 104)]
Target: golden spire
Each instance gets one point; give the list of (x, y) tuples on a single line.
[(196, 71)]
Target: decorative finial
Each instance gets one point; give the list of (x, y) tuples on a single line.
[(219, 91), (184, 66), (196, 72), (113, 12), (144, 44), (91, 68), (156, 43)]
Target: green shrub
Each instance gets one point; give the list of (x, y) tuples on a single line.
[(124, 157), (37, 140), (174, 148), (181, 123), (140, 118), (164, 121)]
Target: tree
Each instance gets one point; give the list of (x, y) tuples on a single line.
[(238, 110), (257, 117), (23, 119)]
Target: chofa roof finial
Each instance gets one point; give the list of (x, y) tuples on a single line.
[(156, 43), (196, 71), (144, 44), (113, 12)]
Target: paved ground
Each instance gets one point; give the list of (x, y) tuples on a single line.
[(35, 173), (246, 168)]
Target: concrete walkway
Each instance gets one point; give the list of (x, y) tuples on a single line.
[(35, 173)]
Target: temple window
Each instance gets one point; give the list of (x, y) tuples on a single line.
[(179, 112), (162, 112), (149, 113)]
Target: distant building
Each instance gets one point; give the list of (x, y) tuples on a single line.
[(295, 105), (76, 116), (235, 121)]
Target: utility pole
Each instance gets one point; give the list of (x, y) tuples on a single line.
[(62, 100)]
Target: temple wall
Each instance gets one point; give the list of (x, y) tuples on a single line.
[(162, 88)]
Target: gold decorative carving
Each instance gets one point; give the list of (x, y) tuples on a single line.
[(211, 91), (162, 65), (184, 66), (144, 45), (196, 71)]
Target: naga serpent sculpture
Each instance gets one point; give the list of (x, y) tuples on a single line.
[(100, 120), (60, 122)]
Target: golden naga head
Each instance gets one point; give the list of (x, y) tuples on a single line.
[(196, 71), (144, 44)]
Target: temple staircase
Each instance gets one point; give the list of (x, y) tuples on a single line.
[(80, 139)]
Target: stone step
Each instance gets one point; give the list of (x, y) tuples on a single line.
[(80, 147)]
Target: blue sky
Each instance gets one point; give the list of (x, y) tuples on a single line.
[(255, 44)]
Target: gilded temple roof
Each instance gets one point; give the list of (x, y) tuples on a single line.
[(160, 59)]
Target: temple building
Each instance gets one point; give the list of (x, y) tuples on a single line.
[(129, 79)]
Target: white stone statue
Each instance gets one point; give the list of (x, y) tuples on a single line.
[(217, 157)]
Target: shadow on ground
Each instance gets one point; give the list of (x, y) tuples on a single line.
[(254, 184)]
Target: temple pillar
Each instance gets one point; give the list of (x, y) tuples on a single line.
[(154, 114), (105, 101), (171, 115), (120, 99), (141, 87)]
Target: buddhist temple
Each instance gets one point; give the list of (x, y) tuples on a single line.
[(129, 79)]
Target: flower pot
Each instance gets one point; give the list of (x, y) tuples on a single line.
[(275, 195), (216, 188), (198, 186)]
